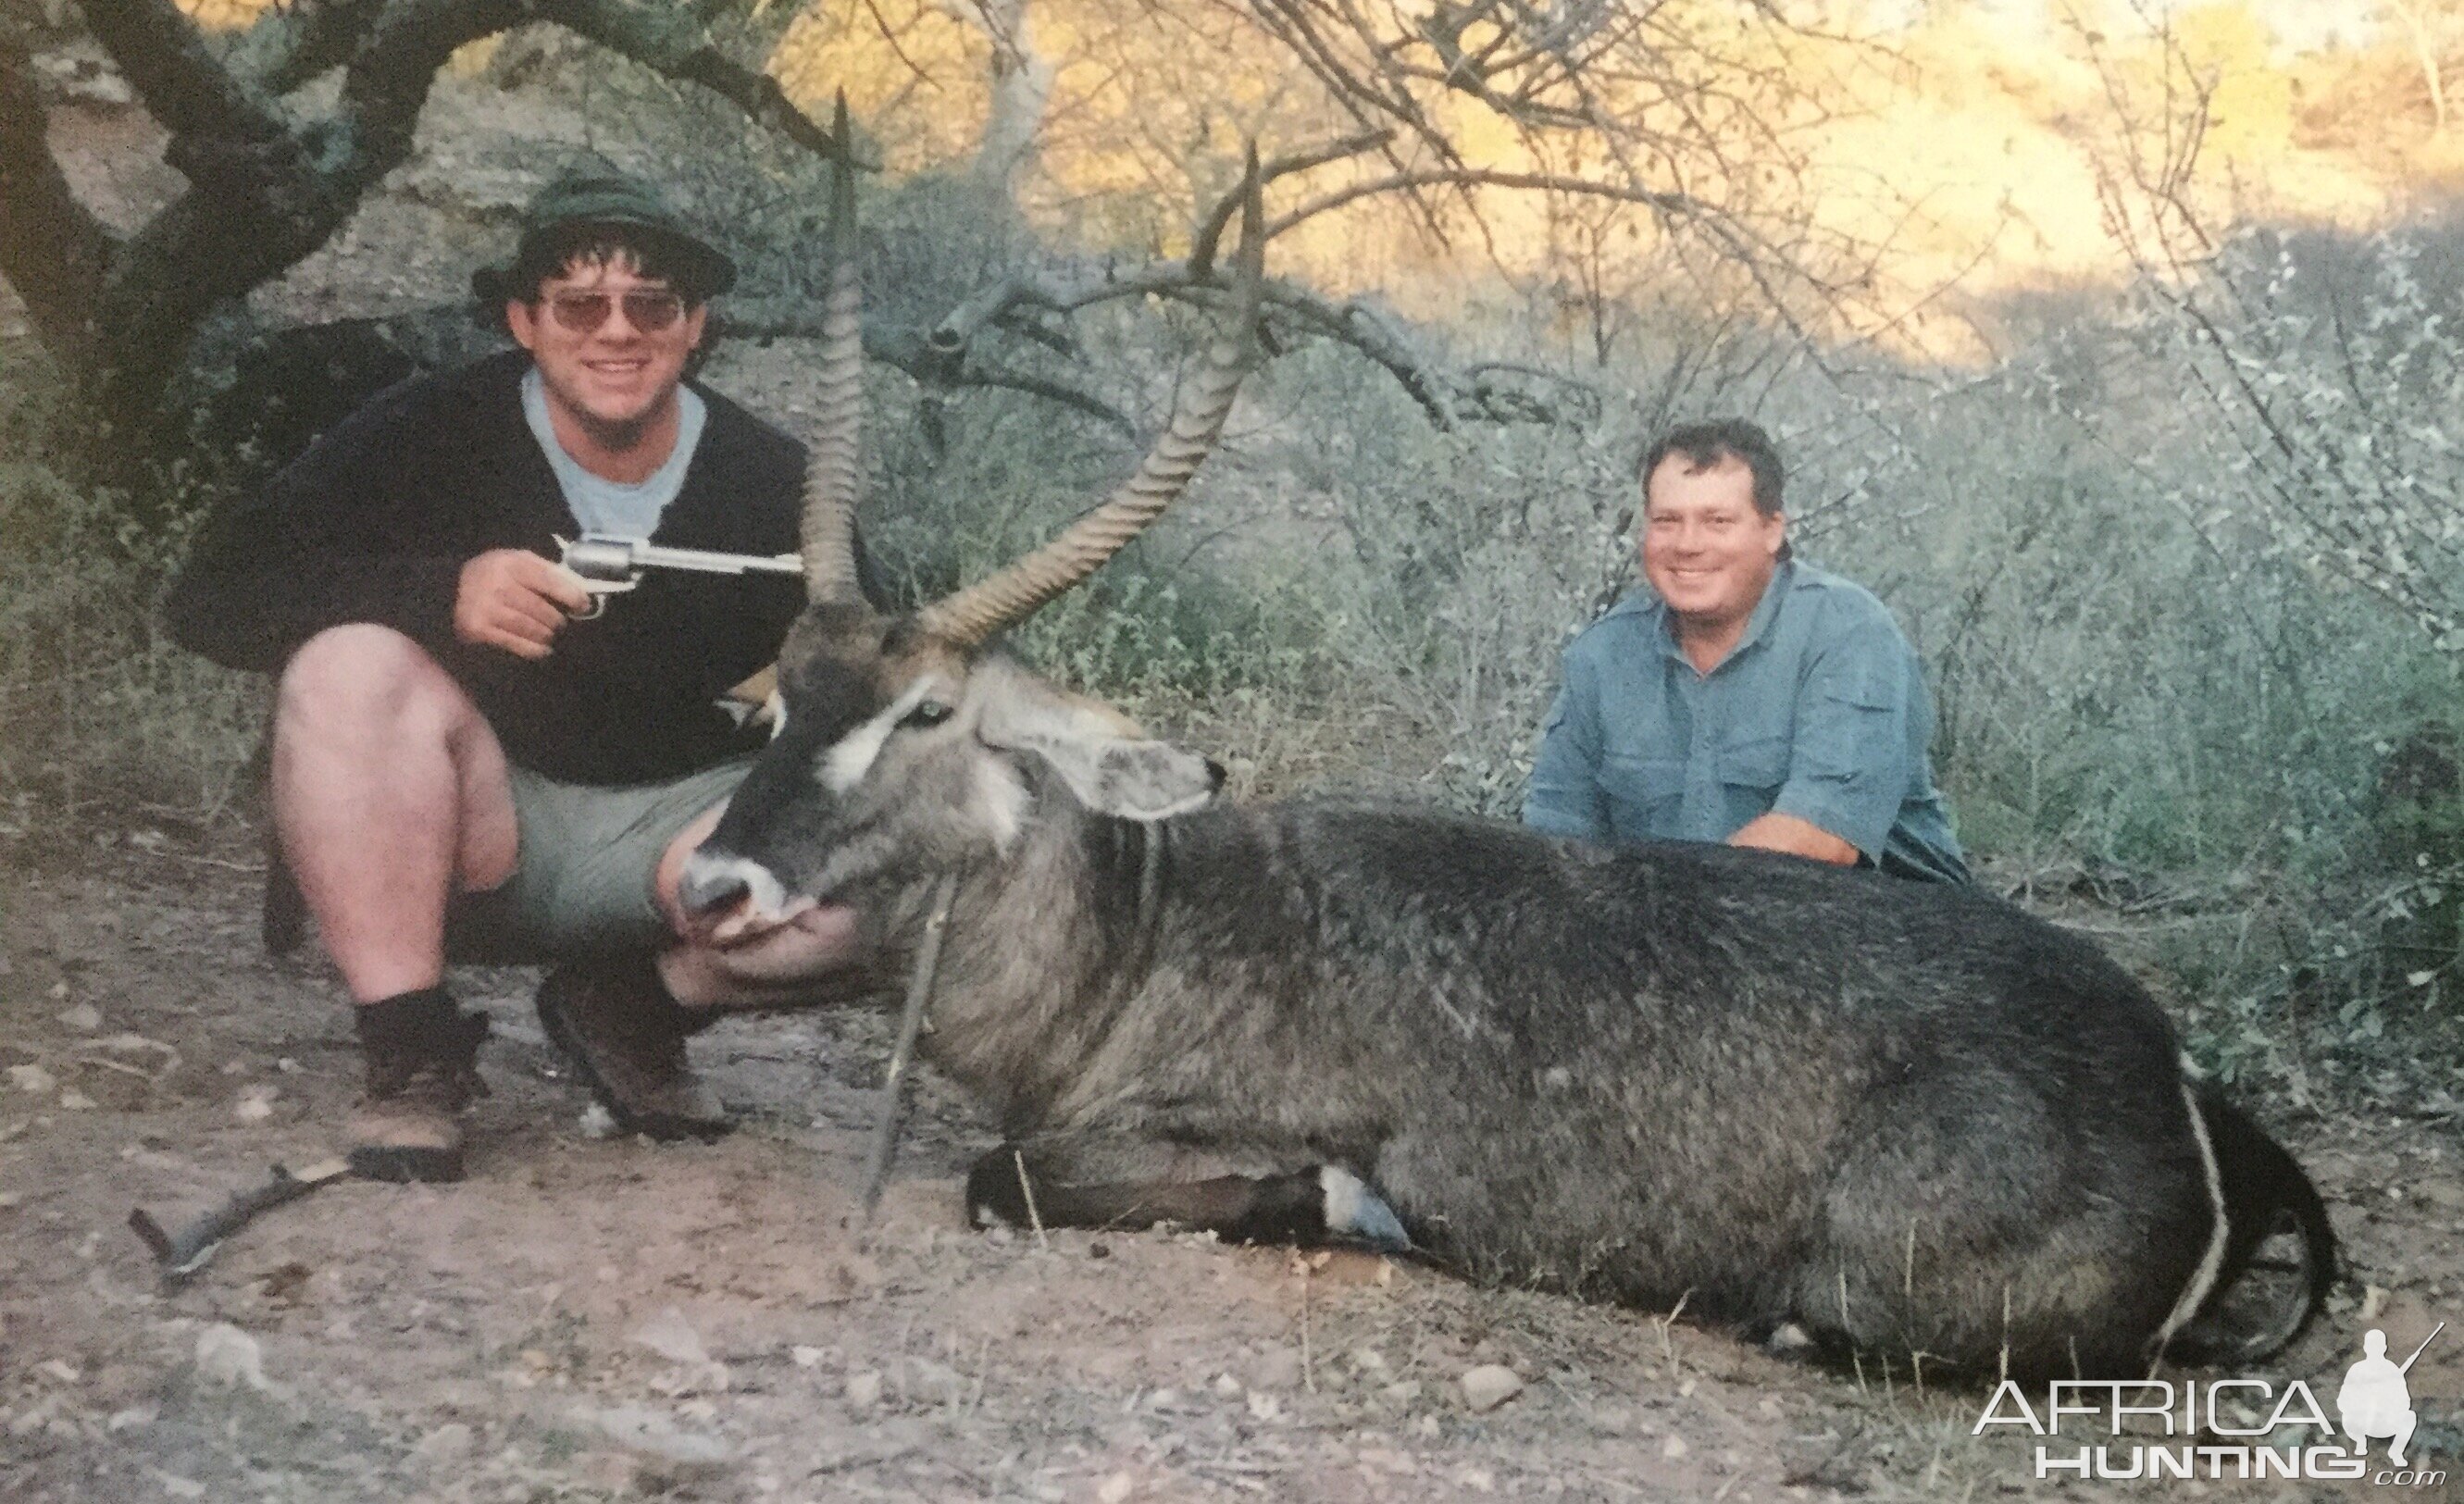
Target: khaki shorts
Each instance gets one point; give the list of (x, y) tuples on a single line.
[(585, 867)]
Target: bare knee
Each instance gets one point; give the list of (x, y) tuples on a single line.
[(360, 678)]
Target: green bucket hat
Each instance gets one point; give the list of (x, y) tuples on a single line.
[(594, 192)]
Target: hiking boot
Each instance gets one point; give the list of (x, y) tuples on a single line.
[(422, 1056), (626, 1037)]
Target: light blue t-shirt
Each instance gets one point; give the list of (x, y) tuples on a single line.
[(622, 508), (1820, 711)]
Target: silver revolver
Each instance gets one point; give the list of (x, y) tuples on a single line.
[(608, 564)]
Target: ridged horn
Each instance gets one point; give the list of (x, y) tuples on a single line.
[(834, 475), (981, 610)]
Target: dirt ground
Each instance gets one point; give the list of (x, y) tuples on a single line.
[(600, 1319)]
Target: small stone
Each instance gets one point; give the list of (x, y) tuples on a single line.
[(1227, 1386), (1278, 1368), (1403, 1393), (229, 1357), (448, 1443), (1264, 1407), (1673, 1447), (178, 1487), (1489, 1386), (805, 1356), (679, 1452), (255, 1104), (1116, 1488), (864, 1389), (32, 1080), (1368, 1362), (615, 1474), (76, 1100), (673, 1338), (84, 1018), (597, 1123)]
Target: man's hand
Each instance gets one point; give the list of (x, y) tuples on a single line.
[(515, 599), (1798, 837)]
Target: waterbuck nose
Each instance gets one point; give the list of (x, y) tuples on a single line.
[(710, 888)]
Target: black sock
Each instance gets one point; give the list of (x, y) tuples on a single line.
[(425, 1024)]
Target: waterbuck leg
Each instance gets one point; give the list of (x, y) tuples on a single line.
[(1017, 1186)]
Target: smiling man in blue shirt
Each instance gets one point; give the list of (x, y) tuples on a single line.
[(1746, 698)]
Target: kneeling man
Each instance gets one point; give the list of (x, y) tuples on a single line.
[(454, 753), (1748, 698)]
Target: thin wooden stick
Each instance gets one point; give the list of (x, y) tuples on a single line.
[(1025, 1189), (911, 1022)]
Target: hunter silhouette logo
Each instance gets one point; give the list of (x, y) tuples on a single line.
[(2373, 1402), (2224, 1428)]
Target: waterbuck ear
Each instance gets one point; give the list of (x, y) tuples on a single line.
[(1140, 780), (1097, 753)]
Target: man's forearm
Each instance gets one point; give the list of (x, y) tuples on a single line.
[(1798, 837)]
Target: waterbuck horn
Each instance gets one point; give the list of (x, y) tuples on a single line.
[(975, 613), (834, 475)]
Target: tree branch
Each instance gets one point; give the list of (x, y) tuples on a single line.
[(1673, 204), (1210, 233), (291, 44), (918, 353), (168, 64), (671, 42), (52, 250), (389, 76)]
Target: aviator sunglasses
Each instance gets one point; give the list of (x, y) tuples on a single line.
[(651, 310)]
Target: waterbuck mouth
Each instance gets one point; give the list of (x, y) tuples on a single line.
[(728, 900)]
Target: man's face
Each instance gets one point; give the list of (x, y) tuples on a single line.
[(1705, 549), (586, 334)]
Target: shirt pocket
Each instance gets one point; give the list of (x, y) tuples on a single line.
[(1755, 762), (1643, 792)]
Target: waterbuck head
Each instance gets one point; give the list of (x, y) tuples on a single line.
[(905, 745)]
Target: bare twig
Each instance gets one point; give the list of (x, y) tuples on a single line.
[(1210, 231)]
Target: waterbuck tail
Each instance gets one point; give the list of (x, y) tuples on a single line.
[(2278, 1249)]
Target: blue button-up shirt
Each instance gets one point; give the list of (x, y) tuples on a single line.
[(1820, 711)]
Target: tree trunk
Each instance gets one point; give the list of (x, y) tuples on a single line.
[(1022, 90)]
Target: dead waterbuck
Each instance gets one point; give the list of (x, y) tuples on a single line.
[(1898, 1118)]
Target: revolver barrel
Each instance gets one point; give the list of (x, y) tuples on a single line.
[(610, 564)]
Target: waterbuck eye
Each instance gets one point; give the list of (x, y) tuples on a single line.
[(927, 712)]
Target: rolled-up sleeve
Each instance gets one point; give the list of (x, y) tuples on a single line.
[(1849, 766), (1564, 798)]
